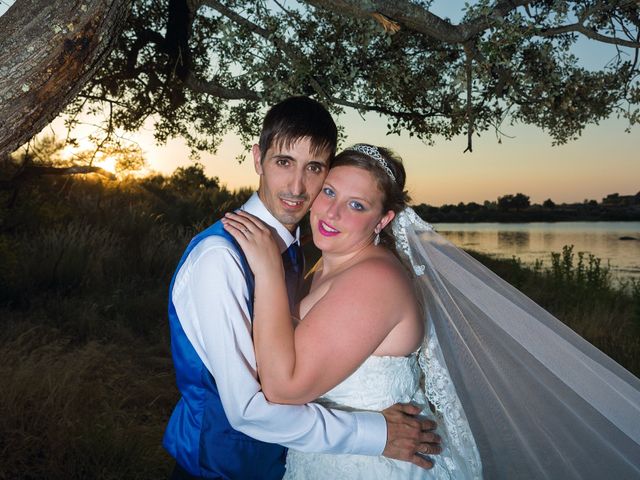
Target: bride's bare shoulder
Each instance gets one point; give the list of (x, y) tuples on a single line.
[(381, 272)]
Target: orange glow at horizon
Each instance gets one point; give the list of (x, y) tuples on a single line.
[(604, 160), (108, 164), (101, 160)]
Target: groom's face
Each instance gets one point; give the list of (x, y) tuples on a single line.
[(290, 179)]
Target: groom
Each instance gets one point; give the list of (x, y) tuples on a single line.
[(223, 427)]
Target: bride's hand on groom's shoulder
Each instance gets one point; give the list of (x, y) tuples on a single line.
[(410, 437), (256, 240)]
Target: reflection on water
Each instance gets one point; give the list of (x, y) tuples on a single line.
[(507, 239), (532, 241)]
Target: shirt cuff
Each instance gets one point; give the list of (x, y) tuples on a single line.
[(371, 433)]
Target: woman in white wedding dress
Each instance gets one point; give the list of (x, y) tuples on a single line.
[(360, 341), (515, 392)]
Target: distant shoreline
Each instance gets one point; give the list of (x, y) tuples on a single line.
[(576, 220), (617, 244), (474, 213)]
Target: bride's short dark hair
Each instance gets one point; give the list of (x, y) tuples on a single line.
[(396, 197)]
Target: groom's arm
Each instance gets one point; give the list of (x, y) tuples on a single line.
[(211, 297)]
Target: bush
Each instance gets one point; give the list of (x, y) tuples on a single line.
[(85, 266)]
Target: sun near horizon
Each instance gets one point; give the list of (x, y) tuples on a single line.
[(603, 160)]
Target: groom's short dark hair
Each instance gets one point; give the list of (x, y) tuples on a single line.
[(296, 118)]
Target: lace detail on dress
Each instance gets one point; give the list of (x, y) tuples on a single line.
[(463, 453), (406, 219), (378, 383)]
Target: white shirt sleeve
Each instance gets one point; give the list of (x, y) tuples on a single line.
[(210, 295)]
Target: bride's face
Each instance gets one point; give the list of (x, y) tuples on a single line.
[(347, 211)]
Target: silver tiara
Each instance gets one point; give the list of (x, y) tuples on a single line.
[(374, 153)]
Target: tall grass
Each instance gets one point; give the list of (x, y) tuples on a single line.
[(78, 411), (86, 379), (86, 376)]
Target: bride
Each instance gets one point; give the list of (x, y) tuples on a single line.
[(356, 345), (516, 394)]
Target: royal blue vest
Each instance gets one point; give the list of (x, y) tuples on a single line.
[(199, 435)]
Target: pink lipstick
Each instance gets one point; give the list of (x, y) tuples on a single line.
[(326, 229)]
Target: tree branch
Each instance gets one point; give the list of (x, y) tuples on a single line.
[(237, 18), (379, 109), (282, 44), (298, 57), (102, 99), (587, 32), (48, 52), (470, 119), (179, 27), (34, 171), (213, 88), (143, 38), (419, 19)]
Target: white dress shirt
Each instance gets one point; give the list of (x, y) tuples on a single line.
[(211, 298)]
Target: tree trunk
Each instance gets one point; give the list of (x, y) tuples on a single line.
[(48, 51)]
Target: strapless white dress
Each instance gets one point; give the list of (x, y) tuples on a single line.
[(377, 384)]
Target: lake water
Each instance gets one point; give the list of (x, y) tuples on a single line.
[(531, 241)]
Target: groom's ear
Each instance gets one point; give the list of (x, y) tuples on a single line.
[(257, 158)]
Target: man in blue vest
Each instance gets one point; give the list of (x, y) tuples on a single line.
[(223, 427)]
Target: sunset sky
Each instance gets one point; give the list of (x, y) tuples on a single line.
[(604, 160)]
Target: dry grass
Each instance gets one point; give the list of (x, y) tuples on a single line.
[(86, 377), (77, 411), (86, 380)]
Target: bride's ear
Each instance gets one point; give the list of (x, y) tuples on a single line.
[(385, 220)]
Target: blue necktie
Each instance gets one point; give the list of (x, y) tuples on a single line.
[(293, 261)]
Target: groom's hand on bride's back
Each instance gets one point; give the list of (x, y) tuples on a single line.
[(410, 437)]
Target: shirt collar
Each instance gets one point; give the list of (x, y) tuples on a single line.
[(254, 206)]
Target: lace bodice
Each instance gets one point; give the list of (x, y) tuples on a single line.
[(377, 384)]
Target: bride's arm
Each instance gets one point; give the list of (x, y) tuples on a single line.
[(336, 336), (273, 339), (341, 330)]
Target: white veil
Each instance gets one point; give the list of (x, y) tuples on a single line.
[(541, 402)]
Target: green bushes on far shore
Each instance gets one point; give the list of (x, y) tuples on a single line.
[(87, 379)]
